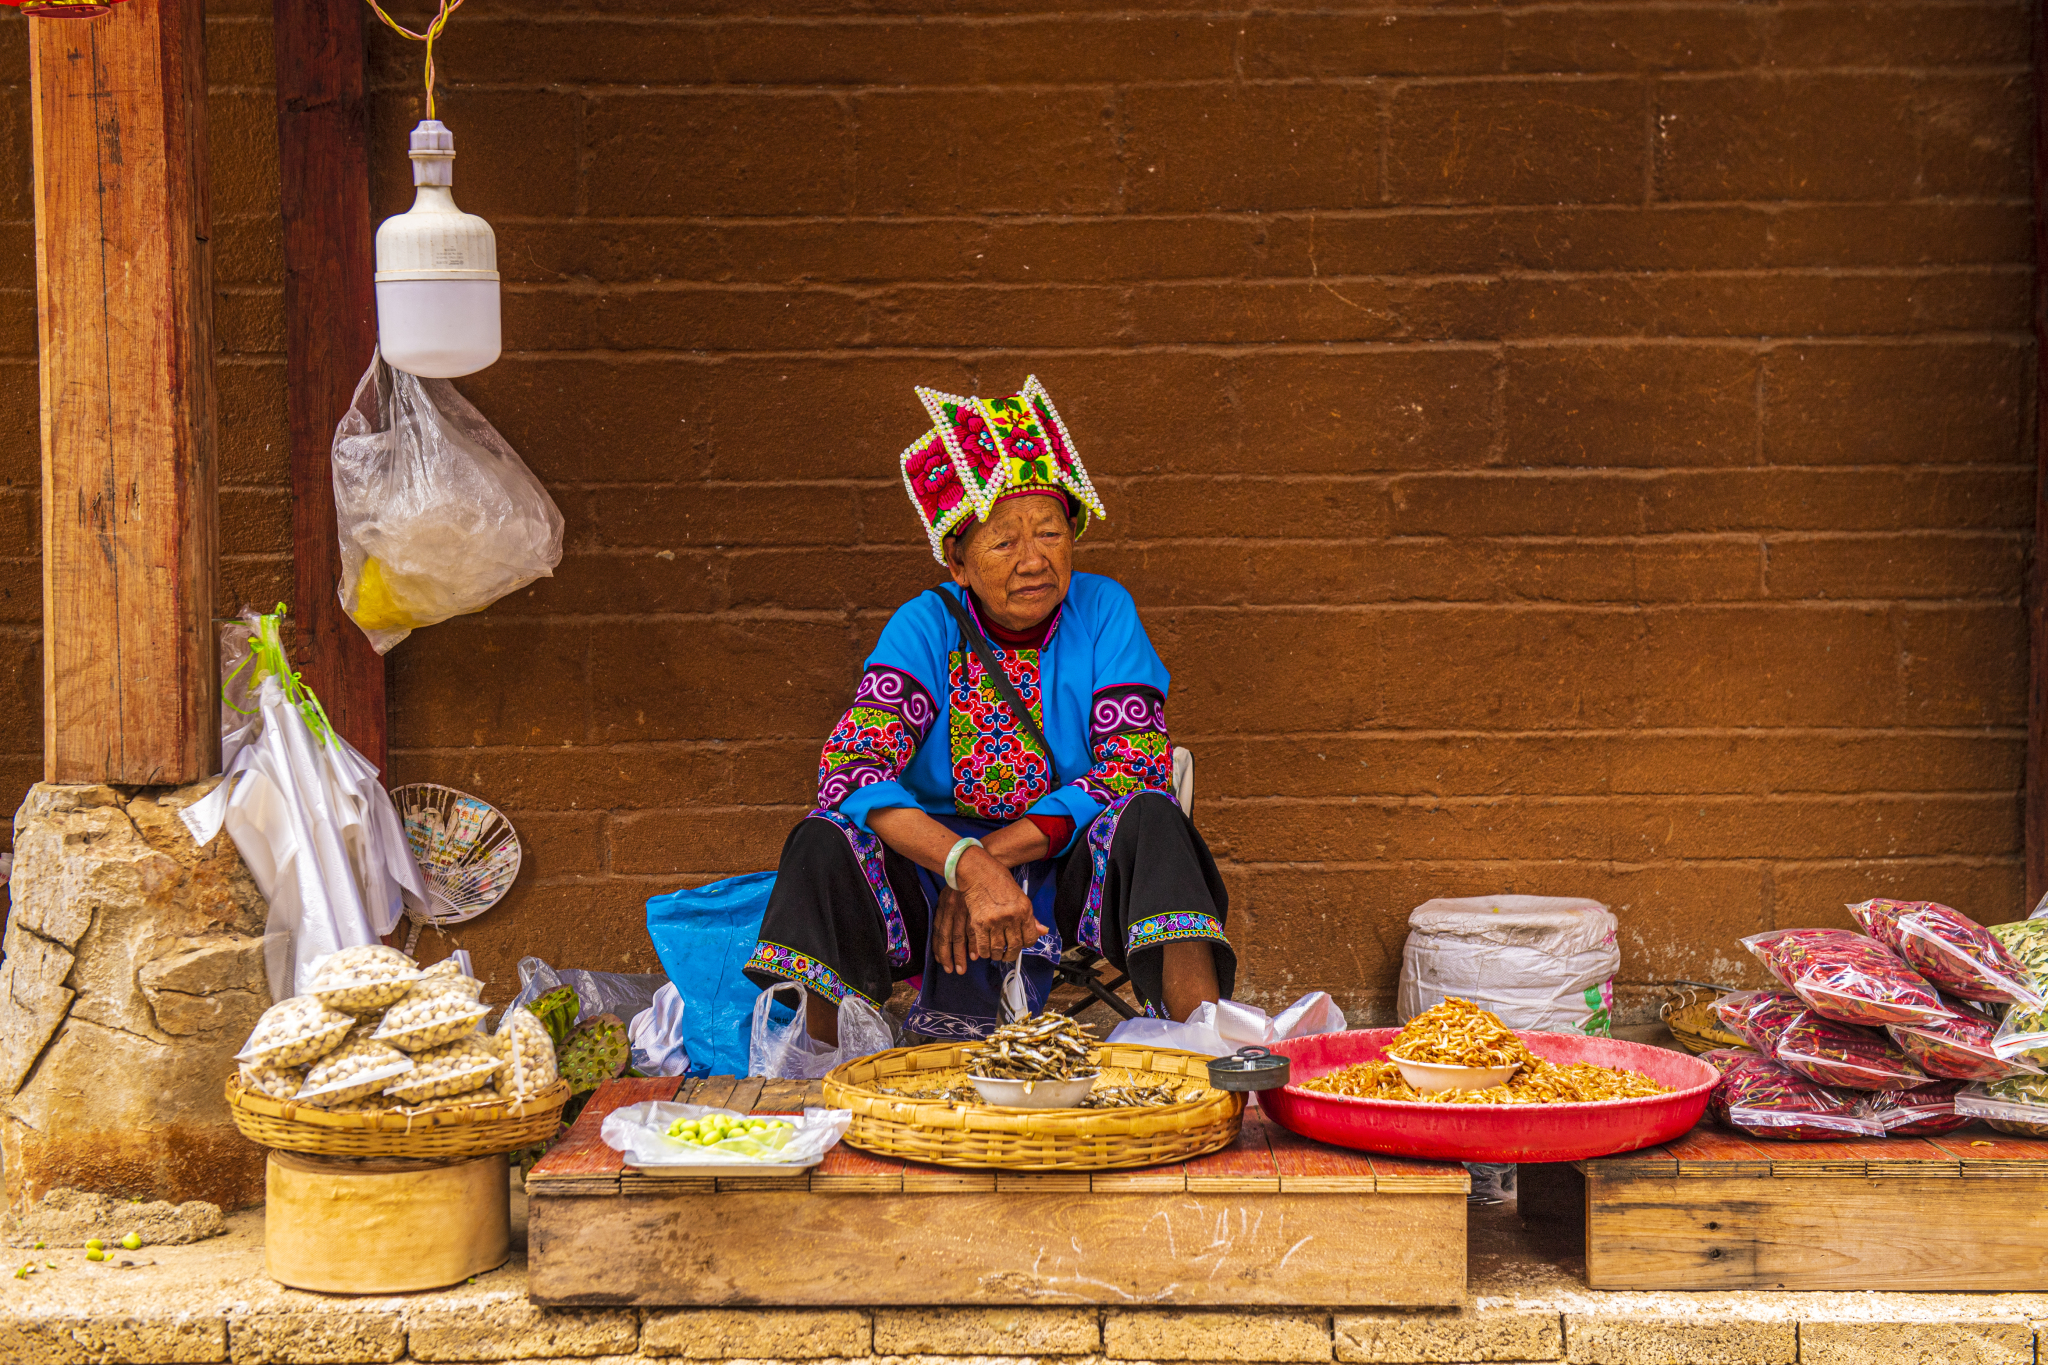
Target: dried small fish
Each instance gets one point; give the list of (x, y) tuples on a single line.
[(1043, 1047), (959, 1094), (1135, 1096)]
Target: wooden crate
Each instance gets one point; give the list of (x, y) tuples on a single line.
[(1272, 1220), (1713, 1210)]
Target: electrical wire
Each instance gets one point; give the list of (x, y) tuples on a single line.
[(433, 31)]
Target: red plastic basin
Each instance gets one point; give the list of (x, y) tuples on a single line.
[(1491, 1132)]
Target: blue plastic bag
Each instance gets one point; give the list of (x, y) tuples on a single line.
[(704, 936)]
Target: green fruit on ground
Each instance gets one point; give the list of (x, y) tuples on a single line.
[(132, 1242), (593, 1054)]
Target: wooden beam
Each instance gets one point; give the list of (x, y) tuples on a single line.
[(125, 307), (2036, 802), (330, 334)]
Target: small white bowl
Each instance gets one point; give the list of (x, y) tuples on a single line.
[(1034, 1094), (1431, 1078)]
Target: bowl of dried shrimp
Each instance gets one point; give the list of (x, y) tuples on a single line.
[(1569, 1096)]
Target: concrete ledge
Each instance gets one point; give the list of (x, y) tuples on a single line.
[(212, 1304)]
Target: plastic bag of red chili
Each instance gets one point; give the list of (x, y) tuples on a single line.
[(1844, 1055), (1846, 976), (1758, 1097), (1950, 949), (1923, 1111), (1961, 1047), (1758, 1017)]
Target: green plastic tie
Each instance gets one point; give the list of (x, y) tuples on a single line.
[(266, 652)]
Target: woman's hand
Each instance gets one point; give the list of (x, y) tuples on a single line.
[(989, 917)]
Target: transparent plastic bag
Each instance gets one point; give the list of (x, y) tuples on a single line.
[(1927, 1110), (1845, 1056), (1758, 1017), (1950, 949), (2016, 1105), (438, 515), (1962, 1047), (788, 1052), (1758, 1097), (1846, 976), (622, 993)]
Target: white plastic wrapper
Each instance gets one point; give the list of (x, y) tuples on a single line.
[(451, 1069), (788, 1052), (641, 1132), (438, 514), (363, 979), (277, 1082), (656, 1035), (359, 1067), (523, 1044), (295, 1031), (1539, 962), (1223, 1027), (419, 1022)]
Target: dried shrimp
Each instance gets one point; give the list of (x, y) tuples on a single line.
[(1458, 1033)]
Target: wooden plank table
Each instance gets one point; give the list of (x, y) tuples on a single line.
[(1714, 1210), (1273, 1219)]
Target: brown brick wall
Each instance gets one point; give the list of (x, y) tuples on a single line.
[(1560, 448)]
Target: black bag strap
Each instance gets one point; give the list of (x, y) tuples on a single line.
[(971, 633)]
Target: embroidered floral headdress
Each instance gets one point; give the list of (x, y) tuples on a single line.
[(986, 449)]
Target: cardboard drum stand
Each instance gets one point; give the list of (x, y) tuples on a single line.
[(385, 1225)]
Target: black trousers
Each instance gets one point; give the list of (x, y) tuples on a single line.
[(1158, 883)]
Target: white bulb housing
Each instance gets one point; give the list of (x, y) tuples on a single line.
[(437, 272)]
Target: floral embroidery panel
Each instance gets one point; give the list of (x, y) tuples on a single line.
[(877, 737), (999, 771)]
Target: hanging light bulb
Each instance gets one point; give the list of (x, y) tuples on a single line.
[(437, 272)]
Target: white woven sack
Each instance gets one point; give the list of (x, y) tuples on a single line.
[(1539, 962)]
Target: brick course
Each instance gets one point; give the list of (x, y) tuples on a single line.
[(1559, 448)]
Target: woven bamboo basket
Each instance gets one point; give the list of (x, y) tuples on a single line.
[(986, 1136), (1690, 1017), (441, 1133)]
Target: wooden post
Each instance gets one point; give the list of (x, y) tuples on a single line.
[(2035, 809), (330, 333), (125, 307)]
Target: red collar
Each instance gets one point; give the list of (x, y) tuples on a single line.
[(1033, 638)]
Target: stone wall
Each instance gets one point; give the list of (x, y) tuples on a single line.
[(133, 971)]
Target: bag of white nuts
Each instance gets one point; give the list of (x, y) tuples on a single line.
[(295, 1031), (419, 1022), (445, 978), (359, 1067), (529, 1054), (451, 1069), (277, 1082), (360, 979)]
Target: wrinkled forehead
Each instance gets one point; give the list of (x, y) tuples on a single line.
[(1036, 507)]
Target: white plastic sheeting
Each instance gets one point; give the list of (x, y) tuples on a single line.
[(307, 813), (1227, 1025)]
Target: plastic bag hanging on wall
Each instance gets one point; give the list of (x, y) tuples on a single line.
[(438, 515)]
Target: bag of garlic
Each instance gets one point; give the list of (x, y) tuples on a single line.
[(529, 1055), (359, 1067), (419, 1022), (295, 1031), (452, 1069)]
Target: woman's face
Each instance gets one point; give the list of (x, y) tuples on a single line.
[(1018, 562)]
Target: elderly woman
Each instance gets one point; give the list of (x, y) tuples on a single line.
[(1001, 784)]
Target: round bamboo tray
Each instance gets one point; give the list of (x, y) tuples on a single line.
[(1692, 1020), (443, 1133), (985, 1136)]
